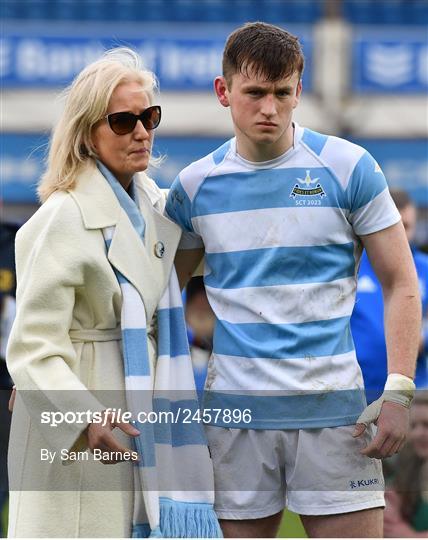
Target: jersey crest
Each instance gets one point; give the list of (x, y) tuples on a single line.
[(309, 187)]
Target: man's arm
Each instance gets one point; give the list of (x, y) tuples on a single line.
[(391, 258), (190, 252), (186, 262)]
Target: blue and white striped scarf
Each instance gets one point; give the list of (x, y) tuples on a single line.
[(171, 478)]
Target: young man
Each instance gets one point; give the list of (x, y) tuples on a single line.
[(282, 213)]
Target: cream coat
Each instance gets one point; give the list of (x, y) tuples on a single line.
[(66, 341)]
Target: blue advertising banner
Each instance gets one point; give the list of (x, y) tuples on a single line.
[(183, 57), (390, 61), (23, 161), (22, 164), (404, 162)]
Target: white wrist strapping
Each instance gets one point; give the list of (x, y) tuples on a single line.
[(398, 389)]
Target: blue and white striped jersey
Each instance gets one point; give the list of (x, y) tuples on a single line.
[(281, 259)]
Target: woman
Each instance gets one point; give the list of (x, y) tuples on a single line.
[(406, 513), (93, 263)]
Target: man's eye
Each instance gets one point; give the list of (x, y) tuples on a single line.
[(283, 93)]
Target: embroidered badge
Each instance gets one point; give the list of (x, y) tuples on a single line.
[(309, 187)]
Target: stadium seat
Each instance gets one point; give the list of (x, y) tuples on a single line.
[(67, 10), (215, 11), (150, 10), (359, 11), (183, 11), (304, 11), (394, 12), (417, 12), (380, 12), (36, 10), (389, 12)]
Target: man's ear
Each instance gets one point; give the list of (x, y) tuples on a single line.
[(220, 87), (298, 94)]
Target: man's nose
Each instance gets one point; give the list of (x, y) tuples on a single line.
[(268, 105)]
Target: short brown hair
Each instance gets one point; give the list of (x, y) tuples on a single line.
[(266, 50)]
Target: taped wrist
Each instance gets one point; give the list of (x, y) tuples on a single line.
[(399, 389)]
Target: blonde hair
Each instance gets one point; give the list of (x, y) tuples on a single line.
[(86, 102)]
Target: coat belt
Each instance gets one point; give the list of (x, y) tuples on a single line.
[(94, 334)]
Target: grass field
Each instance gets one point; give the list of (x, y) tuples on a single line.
[(3, 521), (291, 526)]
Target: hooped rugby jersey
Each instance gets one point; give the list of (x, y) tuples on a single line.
[(282, 250)]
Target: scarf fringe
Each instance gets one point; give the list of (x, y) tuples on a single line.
[(188, 520)]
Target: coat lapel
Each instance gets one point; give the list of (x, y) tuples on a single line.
[(162, 235), (139, 262), (127, 254)]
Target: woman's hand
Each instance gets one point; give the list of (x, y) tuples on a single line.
[(12, 399), (100, 437)]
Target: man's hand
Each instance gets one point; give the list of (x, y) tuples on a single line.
[(101, 437), (392, 424)]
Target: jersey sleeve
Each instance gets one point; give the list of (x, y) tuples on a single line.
[(370, 203), (179, 209)]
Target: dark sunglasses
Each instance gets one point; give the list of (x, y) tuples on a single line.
[(124, 122)]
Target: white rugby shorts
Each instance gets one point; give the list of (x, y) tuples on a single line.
[(257, 473)]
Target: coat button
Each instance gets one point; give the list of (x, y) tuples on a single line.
[(159, 250)]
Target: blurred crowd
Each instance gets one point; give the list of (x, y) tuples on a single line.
[(406, 513)]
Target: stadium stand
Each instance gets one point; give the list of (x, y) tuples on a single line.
[(384, 12), (207, 11), (414, 12)]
